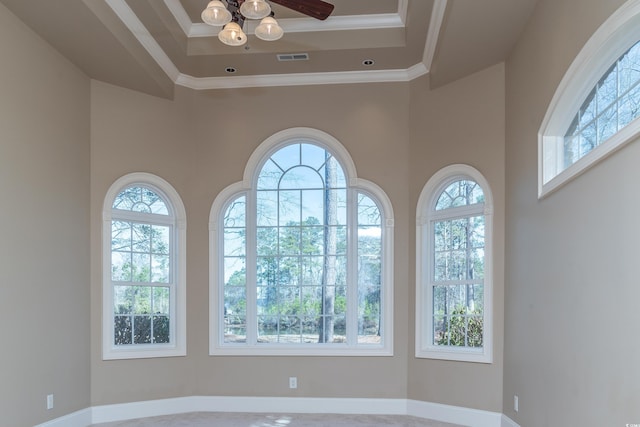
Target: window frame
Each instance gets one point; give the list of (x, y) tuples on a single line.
[(614, 37), (426, 214), (245, 187), (177, 220)]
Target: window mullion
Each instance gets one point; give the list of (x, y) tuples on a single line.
[(251, 269)]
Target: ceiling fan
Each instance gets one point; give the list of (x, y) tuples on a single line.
[(231, 17), (314, 8)]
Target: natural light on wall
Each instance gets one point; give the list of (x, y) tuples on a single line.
[(596, 107)]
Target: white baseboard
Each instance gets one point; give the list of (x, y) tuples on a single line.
[(81, 418), (453, 414), (508, 422), (445, 413)]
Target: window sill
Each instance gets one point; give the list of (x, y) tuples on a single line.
[(455, 354), (147, 352), (300, 350)]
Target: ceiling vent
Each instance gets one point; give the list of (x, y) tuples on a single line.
[(293, 57)]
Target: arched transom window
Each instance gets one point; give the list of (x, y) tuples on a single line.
[(595, 109)]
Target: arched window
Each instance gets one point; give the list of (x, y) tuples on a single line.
[(595, 108), (144, 245), (454, 267), (301, 254)]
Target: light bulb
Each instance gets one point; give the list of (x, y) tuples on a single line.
[(216, 14), (269, 30), (255, 9), (232, 35)]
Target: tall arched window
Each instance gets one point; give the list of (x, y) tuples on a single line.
[(301, 254), (144, 247), (596, 106), (454, 267)]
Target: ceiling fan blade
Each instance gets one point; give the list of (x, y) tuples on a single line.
[(315, 8)]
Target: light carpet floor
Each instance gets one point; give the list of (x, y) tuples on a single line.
[(232, 419)]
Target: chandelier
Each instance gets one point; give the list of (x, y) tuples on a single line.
[(232, 17)]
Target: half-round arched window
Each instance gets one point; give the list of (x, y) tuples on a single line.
[(595, 108), (143, 269), (301, 254), (454, 267)]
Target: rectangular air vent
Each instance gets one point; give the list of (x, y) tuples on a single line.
[(293, 56)]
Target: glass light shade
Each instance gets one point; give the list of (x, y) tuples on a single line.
[(255, 9), (269, 30), (216, 14), (232, 35)]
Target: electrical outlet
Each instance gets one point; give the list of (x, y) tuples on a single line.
[(293, 382), (49, 401), (515, 403)]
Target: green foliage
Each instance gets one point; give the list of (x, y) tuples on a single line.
[(138, 330), (462, 328)]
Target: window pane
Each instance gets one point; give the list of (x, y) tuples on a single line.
[(458, 315), (122, 330), (290, 240), (121, 266), (141, 329), (161, 295), (141, 267), (269, 176), (140, 199), (120, 236), (460, 193), (607, 124), (235, 215), (287, 157), (235, 329), (160, 239), (289, 208), (234, 241), (142, 299), (313, 156), (312, 270), (267, 208), (629, 69), (161, 334), (629, 107), (588, 111), (313, 202), (160, 269), (141, 237), (607, 91), (301, 177), (123, 298), (267, 241), (368, 211)]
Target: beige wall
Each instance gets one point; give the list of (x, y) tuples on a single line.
[(44, 215), (571, 347), (462, 122)]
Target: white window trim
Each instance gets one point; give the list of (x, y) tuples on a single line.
[(424, 247), (178, 346), (259, 156), (614, 37)]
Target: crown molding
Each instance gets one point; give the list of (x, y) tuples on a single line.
[(129, 18)]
